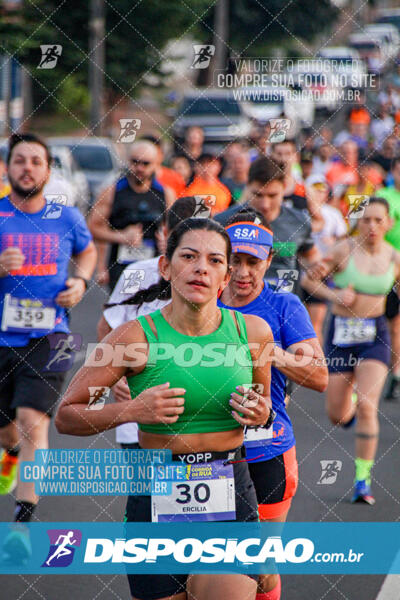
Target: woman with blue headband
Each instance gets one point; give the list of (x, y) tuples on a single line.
[(271, 452)]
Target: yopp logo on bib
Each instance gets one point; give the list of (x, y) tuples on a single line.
[(129, 129), (132, 280), (357, 205), (50, 55), (203, 53), (279, 130)]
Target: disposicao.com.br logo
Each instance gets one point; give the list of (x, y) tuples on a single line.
[(193, 550)]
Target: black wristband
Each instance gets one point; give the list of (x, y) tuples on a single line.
[(271, 418), (86, 281)]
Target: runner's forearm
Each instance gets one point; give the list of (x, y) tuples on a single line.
[(318, 289), (313, 375), (77, 419), (104, 233)]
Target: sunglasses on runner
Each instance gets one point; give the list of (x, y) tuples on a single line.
[(320, 186), (137, 161)]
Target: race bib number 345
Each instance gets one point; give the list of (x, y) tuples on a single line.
[(25, 314), (208, 494), (350, 331)]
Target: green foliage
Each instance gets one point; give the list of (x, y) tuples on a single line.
[(136, 34), (256, 25), (74, 96)]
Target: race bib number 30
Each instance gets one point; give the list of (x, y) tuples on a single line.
[(25, 314), (208, 494), (349, 331)]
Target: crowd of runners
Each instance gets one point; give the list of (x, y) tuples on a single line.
[(286, 251)]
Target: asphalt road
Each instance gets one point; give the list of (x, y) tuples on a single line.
[(316, 440)]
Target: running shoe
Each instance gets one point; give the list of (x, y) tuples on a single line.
[(8, 473), (393, 392), (17, 547), (362, 493)]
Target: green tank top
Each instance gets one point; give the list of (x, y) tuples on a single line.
[(208, 367), (376, 285)]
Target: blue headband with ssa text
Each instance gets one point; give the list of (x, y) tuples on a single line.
[(250, 238)]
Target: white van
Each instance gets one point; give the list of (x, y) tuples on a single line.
[(389, 35), (371, 49), (347, 63)]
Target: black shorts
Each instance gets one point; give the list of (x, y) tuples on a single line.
[(138, 510), (392, 304), (309, 299), (275, 481), (23, 381), (345, 359)]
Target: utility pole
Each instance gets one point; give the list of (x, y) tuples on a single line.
[(7, 93), (96, 65), (221, 34)]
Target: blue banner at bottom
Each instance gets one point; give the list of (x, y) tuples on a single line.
[(252, 548)]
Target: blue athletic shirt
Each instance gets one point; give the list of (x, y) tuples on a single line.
[(290, 324), (47, 239)]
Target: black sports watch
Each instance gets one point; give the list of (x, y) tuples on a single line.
[(86, 281), (271, 419)]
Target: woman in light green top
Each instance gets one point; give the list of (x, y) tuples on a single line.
[(188, 366), (364, 270)]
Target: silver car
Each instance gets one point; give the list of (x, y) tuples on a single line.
[(217, 112), (64, 167), (96, 157)]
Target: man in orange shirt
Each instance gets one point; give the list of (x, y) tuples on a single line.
[(207, 169), (344, 171), (167, 177)]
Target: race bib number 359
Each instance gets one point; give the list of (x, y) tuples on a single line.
[(208, 494), (25, 314)]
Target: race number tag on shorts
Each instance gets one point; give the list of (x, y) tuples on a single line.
[(258, 437), (129, 254), (25, 314), (208, 494), (350, 331)]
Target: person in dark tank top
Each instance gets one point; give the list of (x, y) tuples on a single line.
[(127, 214)]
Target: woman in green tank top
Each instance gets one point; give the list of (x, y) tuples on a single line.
[(364, 270), (189, 368)]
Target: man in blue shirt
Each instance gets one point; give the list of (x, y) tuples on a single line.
[(37, 240), (296, 354)]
